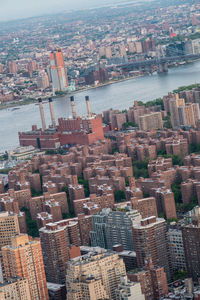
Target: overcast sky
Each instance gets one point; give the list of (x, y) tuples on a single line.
[(15, 9)]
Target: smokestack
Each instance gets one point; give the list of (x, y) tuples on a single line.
[(88, 106), (73, 107), (53, 120), (42, 114)]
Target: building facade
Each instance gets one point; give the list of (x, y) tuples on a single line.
[(23, 258), (150, 240), (58, 72), (94, 276)]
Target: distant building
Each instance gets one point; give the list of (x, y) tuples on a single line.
[(32, 66), (43, 80), (173, 109), (195, 19), (108, 52), (150, 121), (192, 46), (183, 114), (58, 72), (189, 114), (1, 68), (97, 75), (12, 67)]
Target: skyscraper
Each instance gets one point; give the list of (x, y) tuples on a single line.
[(176, 247), (153, 280), (119, 228), (151, 121), (174, 104), (150, 241), (95, 275), (43, 80), (55, 246), (58, 72), (12, 67), (191, 243), (9, 227), (15, 288), (112, 227), (23, 258)]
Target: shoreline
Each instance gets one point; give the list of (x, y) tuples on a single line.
[(27, 102), (16, 105)]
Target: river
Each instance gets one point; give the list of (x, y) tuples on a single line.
[(120, 95)]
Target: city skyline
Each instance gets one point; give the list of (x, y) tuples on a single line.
[(100, 199)]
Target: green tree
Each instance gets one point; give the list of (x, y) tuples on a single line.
[(180, 274), (167, 122), (127, 125), (177, 160), (161, 215), (85, 184), (186, 87), (184, 207), (114, 150), (32, 228), (146, 195), (119, 196), (140, 168), (194, 148), (176, 189), (161, 153), (35, 193), (50, 152), (127, 181), (71, 208)]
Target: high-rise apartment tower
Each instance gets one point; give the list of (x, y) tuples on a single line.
[(58, 72)]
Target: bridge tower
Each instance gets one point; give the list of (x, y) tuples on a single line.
[(163, 68)]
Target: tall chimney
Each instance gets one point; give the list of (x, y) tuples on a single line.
[(42, 114), (73, 107), (88, 106), (53, 120)]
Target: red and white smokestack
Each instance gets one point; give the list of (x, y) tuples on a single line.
[(53, 120), (88, 106), (73, 107), (42, 114)]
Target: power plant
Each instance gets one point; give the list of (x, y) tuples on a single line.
[(71, 131)]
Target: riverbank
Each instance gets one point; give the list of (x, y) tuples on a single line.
[(17, 104), (117, 96)]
